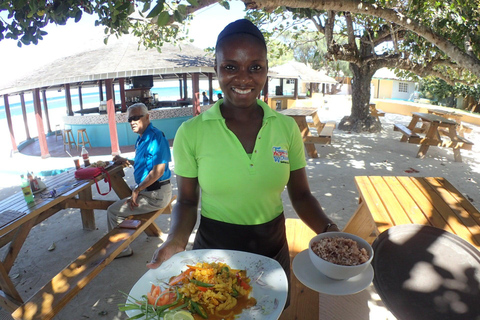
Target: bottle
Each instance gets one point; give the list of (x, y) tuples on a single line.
[(27, 191), (86, 159), (36, 185)]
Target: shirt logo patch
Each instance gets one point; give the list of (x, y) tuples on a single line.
[(280, 155)]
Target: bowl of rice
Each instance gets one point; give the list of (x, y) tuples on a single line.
[(340, 255)]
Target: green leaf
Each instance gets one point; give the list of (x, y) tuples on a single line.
[(182, 9), (156, 10), (177, 16), (193, 2), (146, 7), (163, 19), (225, 4), (78, 15)]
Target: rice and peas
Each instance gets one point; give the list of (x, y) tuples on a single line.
[(341, 251)]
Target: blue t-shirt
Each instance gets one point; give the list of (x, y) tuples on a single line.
[(151, 149)]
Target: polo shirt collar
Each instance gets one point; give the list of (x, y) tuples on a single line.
[(214, 112)]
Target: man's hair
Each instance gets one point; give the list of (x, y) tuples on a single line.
[(138, 105), (241, 26)]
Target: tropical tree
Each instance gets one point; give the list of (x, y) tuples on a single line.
[(425, 37)]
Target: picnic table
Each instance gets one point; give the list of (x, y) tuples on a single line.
[(387, 201), (324, 131), (63, 191), (461, 128), (435, 128)]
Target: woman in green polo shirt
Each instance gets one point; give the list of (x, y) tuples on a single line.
[(240, 155)]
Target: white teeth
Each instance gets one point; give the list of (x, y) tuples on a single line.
[(242, 91)]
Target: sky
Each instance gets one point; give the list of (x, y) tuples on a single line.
[(74, 37)]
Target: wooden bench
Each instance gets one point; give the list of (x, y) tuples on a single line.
[(405, 130), (387, 201), (50, 299), (303, 301), (376, 112)]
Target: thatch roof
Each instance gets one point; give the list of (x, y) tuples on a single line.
[(120, 59), (298, 70)]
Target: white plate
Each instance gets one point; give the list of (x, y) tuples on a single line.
[(268, 279), (307, 274)]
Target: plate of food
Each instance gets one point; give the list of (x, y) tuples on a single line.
[(211, 284)]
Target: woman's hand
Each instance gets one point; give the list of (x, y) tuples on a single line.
[(164, 253)]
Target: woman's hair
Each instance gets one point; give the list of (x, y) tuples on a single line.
[(242, 26)]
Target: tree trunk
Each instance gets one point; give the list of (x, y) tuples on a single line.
[(360, 119)]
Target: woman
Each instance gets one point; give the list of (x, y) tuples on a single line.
[(240, 154)]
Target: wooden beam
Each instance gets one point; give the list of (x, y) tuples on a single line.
[(185, 86), (295, 90), (121, 82), (88, 204), (45, 109), (9, 122), (100, 89), (80, 98), (24, 114), (111, 118), (68, 99), (42, 140), (196, 93), (210, 88), (181, 88)]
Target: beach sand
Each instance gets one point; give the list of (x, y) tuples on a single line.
[(331, 178)]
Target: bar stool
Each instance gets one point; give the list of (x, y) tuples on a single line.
[(82, 138), (58, 132), (68, 139)]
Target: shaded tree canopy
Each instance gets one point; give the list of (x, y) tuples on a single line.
[(439, 38), (451, 27)]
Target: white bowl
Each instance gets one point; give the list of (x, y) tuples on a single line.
[(336, 271)]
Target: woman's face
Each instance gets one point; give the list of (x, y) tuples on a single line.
[(241, 66)]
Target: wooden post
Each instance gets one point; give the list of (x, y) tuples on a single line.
[(42, 140), (24, 113), (185, 86), (122, 94), (210, 88), (9, 122), (100, 89), (68, 100), (295, 89), (181, 88), (80, 98), (196, 93), (45, 108), (111, 118)]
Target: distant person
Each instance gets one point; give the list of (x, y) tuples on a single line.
[(219, 96), (205, 98), (151, 172)]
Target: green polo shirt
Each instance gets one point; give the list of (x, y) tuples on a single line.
[(237, 187)]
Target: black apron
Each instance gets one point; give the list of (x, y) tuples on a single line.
[(268, 239)]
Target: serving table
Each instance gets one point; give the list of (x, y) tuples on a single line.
[(17, 217)]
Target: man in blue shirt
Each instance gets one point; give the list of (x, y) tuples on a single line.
[(151, 172)]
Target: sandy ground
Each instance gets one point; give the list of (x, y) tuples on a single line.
[(331, 181)]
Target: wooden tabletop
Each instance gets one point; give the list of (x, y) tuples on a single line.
[(387, 201), (299, 112), (434, 118)]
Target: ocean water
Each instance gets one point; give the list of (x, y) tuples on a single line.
[(89, 99)]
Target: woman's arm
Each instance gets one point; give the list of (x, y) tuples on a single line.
[(306, 205), (184, 217)]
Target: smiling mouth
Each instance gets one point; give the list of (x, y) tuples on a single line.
[(242, 91)]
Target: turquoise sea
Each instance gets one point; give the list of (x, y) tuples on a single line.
[(167, 93)]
